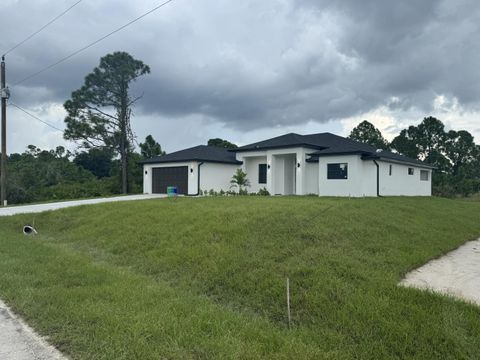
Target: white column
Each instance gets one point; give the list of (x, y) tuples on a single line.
[(300, 183), (147, 179), (270, 173)]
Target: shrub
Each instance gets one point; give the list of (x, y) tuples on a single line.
[(263, 192), (240, 180)]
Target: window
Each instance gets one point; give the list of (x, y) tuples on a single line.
[(337, 171), (424, 175), (262, 173), (390, 170), (411, 171)]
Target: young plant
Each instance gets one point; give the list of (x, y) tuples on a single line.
[(263, 192), (240, 181)]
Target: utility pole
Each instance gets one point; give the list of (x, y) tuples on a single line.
[(4, 94)]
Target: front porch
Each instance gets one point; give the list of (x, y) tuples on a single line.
[(280, 172)]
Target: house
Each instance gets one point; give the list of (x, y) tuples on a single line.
[(323, 164)]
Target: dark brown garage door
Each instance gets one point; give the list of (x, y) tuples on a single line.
[(170, 176)]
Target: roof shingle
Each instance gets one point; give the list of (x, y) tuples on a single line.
[(197, 153)]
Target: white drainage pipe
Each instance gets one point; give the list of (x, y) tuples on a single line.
[(29, 230)]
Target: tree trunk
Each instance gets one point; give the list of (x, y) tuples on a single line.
[(124, 140), (124, 159)]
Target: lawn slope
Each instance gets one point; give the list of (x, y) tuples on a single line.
[(205, 278)]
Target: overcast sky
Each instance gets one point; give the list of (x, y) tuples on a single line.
[(248, 70)]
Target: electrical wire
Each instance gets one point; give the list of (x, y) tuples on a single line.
[(91, 44), (34, 117), (42, 28)]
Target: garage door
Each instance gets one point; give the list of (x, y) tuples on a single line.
[(170, 176)]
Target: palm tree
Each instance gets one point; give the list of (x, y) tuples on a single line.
[(240, 180)]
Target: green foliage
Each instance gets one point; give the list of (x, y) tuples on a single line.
[(205, 278), (97, 160), (425, 142), (405, 143), (240, 181), (460, 149), (98, 114), (150, 148), (454, 154), (221, 143), (367, 133), (263, 192), (39, 175), (135, 173)]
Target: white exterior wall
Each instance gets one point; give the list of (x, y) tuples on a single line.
[(360, 176), (402, 184), (369, 176), (311, 178), (212, 176), (216, 176), (251, 168), (273, 181)]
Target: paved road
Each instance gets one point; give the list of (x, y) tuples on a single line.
[(25, 209), (17, 340)]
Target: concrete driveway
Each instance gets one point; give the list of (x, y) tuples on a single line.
[(26, 209), (17, 340), (456, 274)]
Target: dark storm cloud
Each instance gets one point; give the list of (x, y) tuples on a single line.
[(258, 64)]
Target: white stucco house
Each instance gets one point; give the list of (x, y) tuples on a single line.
[(323, 164)]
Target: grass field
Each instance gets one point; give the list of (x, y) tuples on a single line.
[(205, 278)]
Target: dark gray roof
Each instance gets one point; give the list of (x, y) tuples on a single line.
[(287, 140), (198, 153), (327, 144)]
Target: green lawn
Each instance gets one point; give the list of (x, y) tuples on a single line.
[(205, 278)]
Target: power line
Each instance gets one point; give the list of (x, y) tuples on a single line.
[(42, 28), (91, 44), (34, 117)]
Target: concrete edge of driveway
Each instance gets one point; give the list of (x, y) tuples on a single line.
[(455, 274), (37, 208), (18, 341)]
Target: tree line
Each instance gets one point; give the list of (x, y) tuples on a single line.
[(454, 154), (42, 175)]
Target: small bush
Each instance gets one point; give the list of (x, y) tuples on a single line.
[(263, 192)]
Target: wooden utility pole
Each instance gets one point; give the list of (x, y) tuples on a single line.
[(4, 93)]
